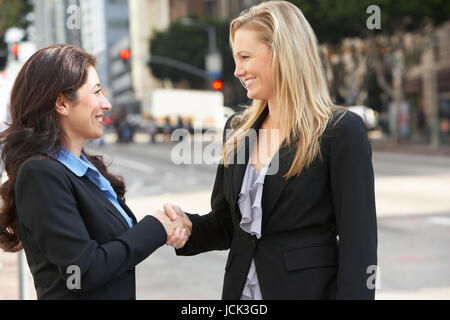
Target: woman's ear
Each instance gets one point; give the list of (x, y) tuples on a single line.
[(61, 105)]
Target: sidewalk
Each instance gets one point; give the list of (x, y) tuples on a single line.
[(410, 148), (380, 143), (199, 202), (377, 141), (9, 278)]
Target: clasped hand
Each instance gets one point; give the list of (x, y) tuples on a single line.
[(176, 223)]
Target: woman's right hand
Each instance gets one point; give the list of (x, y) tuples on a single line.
[(178, 231), (175, 213)]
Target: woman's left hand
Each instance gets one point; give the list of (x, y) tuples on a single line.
[(178, 239)]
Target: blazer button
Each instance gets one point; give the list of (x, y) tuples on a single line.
[(131, 269)]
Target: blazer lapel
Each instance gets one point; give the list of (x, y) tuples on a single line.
[(108, 205), (238, 169), (274, 184), (127, 210)]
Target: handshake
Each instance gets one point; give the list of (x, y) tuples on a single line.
[(176, 223)]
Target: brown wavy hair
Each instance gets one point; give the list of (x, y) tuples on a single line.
[(34, 128)]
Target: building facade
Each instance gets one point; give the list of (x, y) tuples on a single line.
[(57, 21), (219, 9), (94, 25), (147, 16), (104, 22), (427, 90)]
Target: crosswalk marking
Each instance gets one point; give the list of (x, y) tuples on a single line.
[(134, 165), (439, 220)]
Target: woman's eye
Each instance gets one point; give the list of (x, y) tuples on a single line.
[(98, 91)]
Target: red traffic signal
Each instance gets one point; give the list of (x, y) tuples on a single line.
[(15, 50), (217, 85), (125, 54)]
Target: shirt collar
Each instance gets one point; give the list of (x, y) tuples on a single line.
[(79, 166)]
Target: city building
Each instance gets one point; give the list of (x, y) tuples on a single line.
[(57, 21), (103, 24), (147, 16), (105, 27), (94, 25), (427, 90), (122, 94), (220, 9)]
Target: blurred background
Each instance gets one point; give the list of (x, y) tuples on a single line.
[(167, 64)]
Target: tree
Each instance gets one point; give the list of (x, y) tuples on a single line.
[(334, 20), (189, 44), (389, 53), (12, 14)]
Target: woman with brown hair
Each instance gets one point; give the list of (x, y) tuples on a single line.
[(60, 203)]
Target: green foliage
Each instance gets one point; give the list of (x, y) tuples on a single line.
[(12, 14), (189, 44), (333, 20)]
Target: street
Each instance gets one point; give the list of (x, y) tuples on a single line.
[(412, 193), (143, 70), (413, 211)]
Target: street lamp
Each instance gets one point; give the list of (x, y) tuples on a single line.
[(208, 28), (213, 59)]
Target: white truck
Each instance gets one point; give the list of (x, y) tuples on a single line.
[(197, 108)]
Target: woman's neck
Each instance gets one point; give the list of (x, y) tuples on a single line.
[(272, 120), (74, 147)]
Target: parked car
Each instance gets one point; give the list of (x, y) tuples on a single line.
[(368, 115), (227, 112)]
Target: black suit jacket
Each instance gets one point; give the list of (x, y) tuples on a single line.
[(298, 256), (67, 221)]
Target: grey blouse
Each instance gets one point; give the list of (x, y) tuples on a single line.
[(250, 205)]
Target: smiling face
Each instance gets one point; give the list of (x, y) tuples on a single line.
[(83, 119), (253, 60)]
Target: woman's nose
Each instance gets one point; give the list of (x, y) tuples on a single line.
[(239, 71), (105, 104)]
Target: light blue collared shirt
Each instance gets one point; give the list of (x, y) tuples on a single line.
[(80, 167)]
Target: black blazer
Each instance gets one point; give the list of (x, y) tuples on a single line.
[(65, 220), (298, 256)]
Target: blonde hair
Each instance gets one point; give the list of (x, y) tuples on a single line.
[(304, 104)]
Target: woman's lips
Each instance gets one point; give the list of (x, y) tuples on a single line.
[(100, 119), (249, 82)]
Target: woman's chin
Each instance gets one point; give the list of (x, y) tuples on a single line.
[(97, 135), (251, 94)]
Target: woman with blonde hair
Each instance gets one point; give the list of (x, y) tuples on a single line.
[(298, 213)]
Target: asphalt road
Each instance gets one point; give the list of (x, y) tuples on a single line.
[(413, 208)]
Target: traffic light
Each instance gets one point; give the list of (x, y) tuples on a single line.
[(125, 55), (15, 51), (217, 85)]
